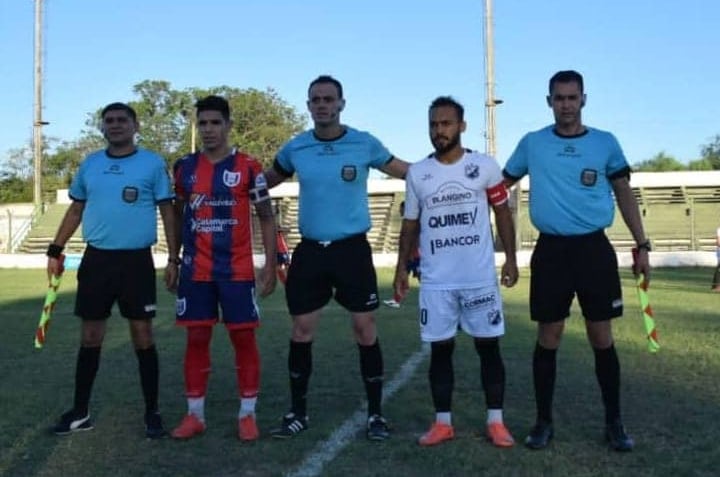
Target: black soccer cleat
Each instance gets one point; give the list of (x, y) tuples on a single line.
[(72, 421), (618, 439), (153, 426), (540, 435), (290, 426), (377, 428)]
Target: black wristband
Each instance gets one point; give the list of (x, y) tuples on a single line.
[(174, 260), (645, 246), (54, 250)]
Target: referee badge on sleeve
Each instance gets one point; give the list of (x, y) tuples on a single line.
[(348, 173)]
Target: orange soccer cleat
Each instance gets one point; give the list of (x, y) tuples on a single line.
[(190, 426), (439, 432), (247, 428), (499, 435)]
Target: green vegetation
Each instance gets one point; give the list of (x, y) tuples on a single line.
[(670, 399), (662, 162), (262, 122)]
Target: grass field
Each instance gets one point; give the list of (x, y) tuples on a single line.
[(671, 400)]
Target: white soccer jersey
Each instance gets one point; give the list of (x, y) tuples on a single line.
[(451, 202)]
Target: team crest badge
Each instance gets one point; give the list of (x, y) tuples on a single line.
[(472, 171), (588, 177), (348, 173), (494, 317), (180, 306), (231, 179)]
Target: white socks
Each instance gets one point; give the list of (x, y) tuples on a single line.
[(247, 406), (444, 417), (196, 407), (494, 415)]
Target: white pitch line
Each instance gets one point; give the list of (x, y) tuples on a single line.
[(327, 450)]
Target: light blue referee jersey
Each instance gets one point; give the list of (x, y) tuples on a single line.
[(333, 181), (570, 189), (120, 195)]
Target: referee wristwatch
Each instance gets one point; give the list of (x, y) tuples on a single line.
[(645, 246)]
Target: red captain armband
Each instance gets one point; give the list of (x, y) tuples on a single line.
[(497, 194)]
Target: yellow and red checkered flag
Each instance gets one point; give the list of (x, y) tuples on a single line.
[(49, 305), (646, 311)]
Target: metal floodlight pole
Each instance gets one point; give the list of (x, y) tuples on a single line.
[(38, 123), (193, 134), (189, 115), (490, 100)]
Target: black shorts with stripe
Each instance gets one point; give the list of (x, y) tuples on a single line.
[(563, 267), (109, 276), (341, 269)]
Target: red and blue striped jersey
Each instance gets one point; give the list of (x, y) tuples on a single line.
[(217, 222)]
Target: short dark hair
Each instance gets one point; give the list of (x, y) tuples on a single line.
[(448, 101), (566, 76), (327, 79), (214, 103), (119, 107)]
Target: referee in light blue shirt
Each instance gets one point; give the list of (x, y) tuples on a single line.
[(115, 194), (334, 259), (574, 173)]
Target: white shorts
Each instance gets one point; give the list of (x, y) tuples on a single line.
[(477, 311)]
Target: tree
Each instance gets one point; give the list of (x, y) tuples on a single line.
[(162, 113), (61, 164), (16, 174), (262, 121), (18, 163), (661, 162), (15, 189), (711, 152), (700, 165)]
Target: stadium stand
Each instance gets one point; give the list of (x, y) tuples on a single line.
[(681, 211)]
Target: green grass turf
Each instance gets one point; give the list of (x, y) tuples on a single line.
[(671, 400)]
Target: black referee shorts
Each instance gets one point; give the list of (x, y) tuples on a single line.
[(583, 265), (123, 276), (320, 270)]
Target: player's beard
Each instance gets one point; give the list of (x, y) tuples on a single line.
[(451, 144)]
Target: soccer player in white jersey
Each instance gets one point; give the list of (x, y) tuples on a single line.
[(446, 212)]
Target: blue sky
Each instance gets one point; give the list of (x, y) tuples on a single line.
[(650, 67)]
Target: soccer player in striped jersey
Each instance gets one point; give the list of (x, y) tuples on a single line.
[(215, 189)]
